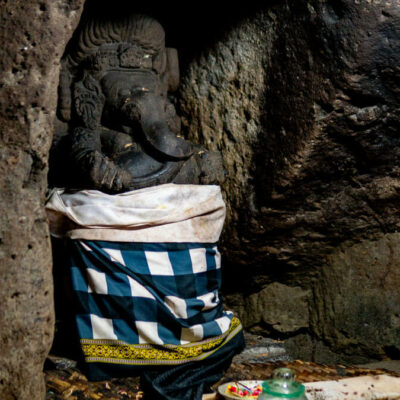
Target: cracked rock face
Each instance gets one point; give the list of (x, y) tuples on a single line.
[(34, 35), (302, 99), (284, 308), (357, 298)]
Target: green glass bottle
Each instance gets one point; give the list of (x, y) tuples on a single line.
[(282, 386)]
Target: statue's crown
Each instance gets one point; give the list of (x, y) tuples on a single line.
[(120, 56)]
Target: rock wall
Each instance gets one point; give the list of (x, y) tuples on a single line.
[(358, 299), (33, 36), (302, 99)]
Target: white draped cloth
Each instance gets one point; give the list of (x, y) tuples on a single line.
[(164, 213)]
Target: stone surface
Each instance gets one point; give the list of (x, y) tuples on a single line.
[(33, 36), (260, 349), (116, 82), (357, 299), (302, 100), (278, 308), (355, 308)]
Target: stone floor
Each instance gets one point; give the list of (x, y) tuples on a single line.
[(260, 349)]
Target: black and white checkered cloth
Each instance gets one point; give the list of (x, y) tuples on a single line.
[(165, 293), (146, 274)]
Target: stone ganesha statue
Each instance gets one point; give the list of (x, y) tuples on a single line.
[(114, 93)]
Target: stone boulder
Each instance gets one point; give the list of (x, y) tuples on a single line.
[(276, 309)]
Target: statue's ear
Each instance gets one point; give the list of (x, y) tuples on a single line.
[(172, 69), (88, 101), (160, 62)]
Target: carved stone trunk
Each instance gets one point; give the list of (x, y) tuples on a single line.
[(33, 36)]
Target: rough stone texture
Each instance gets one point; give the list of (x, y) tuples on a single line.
[(356, 305), (33, 36), (358, 299), (280, 307), (221, 106), (302, 99)]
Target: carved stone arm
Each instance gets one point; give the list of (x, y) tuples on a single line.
[(99, 171)]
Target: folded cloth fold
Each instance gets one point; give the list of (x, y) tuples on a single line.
[(165, 213)]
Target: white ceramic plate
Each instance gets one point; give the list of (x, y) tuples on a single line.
[(249, 384)]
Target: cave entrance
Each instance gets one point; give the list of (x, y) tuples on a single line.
[(192, 34)]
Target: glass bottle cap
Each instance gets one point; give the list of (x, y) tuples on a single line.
[(283, 384)]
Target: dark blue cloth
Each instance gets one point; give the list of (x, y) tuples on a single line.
[(136, 306)]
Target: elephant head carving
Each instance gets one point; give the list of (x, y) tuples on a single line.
[(113, 92)]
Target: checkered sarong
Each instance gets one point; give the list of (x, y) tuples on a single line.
[(133, 296), (146, 274)]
